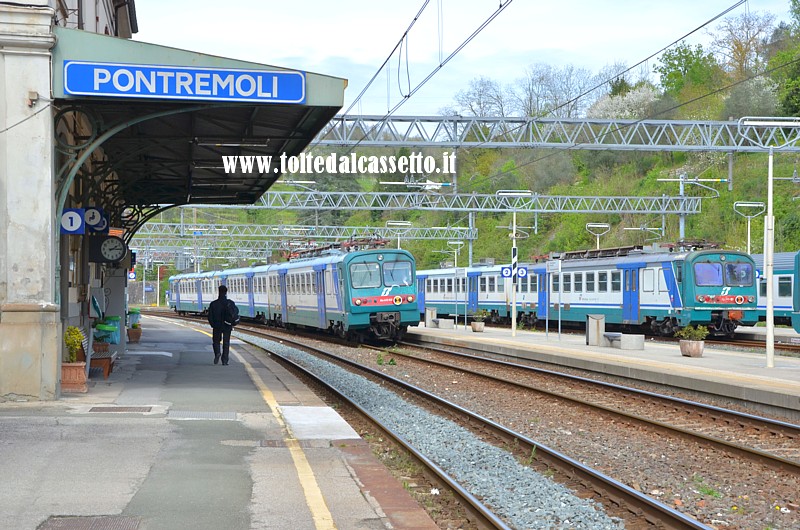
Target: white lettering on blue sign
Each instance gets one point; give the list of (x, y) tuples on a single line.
[(177, 82)]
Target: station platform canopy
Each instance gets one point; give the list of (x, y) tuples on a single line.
[(163, 118)]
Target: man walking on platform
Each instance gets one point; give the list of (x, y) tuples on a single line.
[(222, 316)]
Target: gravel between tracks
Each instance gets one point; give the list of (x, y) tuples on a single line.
[(524, 498)]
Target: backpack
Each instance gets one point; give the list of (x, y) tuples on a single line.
[(230, 315)]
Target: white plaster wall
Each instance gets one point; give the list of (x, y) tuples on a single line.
[(30, 328)]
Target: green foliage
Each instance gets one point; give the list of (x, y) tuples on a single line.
[(692, 333), (480, 315), (73, 339), (683, 66)]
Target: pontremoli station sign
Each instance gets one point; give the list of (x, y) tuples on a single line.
[(177, 82)]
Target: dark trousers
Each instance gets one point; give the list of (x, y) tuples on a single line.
[(223, 335)]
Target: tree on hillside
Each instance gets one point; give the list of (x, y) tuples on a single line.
[(547, 91), (682, 67), (482, 98), (754, 97), (631, 105), (742, 42)]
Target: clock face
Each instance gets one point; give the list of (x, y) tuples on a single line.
[(113, 249)]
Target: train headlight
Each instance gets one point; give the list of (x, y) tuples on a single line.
[(410, 298), (358, 301), (701, 298), (751, 299)]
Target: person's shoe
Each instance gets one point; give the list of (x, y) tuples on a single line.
[(224, 364), (216, 359)]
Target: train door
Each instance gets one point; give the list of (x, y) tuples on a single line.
[(251, 300), (472, 288), (542, 301), (630, 292), (284, 302), (421, 293), (198, 286), (319, 272)]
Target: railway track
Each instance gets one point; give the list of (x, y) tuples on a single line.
[(639, 510), (763, 440)]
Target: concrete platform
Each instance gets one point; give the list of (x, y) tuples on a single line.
[(735, 375), (171, 440)]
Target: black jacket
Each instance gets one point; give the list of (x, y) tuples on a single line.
[(216, 312)]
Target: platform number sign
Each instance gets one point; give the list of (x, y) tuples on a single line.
[(72, 221), (508, 272)]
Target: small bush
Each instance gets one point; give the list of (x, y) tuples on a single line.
[(692, 333), (73, 339)]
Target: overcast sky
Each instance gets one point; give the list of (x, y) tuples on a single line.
[(352, 38)]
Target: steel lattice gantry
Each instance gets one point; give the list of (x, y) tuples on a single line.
[(510, 132), (478, 203), (257, 242)]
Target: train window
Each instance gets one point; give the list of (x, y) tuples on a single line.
[(784, 286), (397, 273), (556, 283), (708, 274), (738, 274), (491, 284), (568, 282), (602, 282), (616, 281), (483, 284), (589, 282), (501, 285), (435, 285), (522, 285), (578, 282), (364, 275), (762, 288), (648, 280), (534, 281)]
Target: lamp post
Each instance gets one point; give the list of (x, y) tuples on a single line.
[(598, 226), (398, 224), (776, 127), (744, 204), (513, 235)]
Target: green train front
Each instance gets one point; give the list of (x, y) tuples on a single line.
[(380, 292), (719, 290)]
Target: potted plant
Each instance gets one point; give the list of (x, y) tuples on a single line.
[(692, 340), (73, 373), (134, 333), (478, 318), (99, 345)]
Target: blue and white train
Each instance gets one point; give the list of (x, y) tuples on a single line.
[(355, 295), (783, 267), (658, 289)]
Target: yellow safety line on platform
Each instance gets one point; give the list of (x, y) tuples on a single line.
[(322, 517)]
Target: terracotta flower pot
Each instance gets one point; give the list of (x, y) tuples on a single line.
[(73, 377), (477, 326), (134, 334), (692, 348)]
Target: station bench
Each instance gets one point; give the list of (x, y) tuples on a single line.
[(623, 341), (105, 361), (443, 323)]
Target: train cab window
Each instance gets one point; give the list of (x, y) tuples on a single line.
[(616, 281), (578, 282), (784, 286), (738, 274), (602, 282), (589, 282), (397, 273), (708, 274), (365, 275), (568, 282)]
